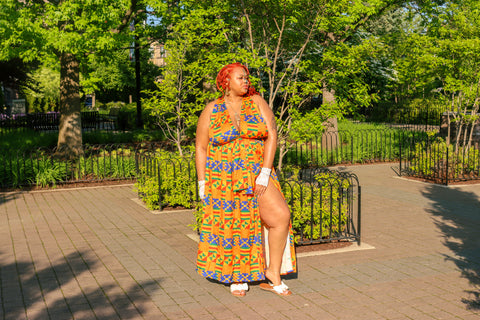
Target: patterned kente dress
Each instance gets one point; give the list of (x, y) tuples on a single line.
[(231, 244)]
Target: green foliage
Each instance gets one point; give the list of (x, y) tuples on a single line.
[(412, 111), (320, 210), (42, 169), (42, 90), (430, 159), (197, 48), (344, 67), (28, 139), (108, 137), (308, 126), (147, 188), (353, 143), (197, 214), (110, 73), (48, 173), (430, 51), (42, 29), (103, 163), (170, 175)]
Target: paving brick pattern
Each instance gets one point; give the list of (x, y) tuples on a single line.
[(96, 253)]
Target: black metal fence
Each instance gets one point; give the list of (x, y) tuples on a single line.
[(432, 159), (348, 147), (420, 118), (91, 120), (325, 204), (167, 181), (419, 154), (40, 167)]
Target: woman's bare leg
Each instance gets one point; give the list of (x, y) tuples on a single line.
[(276, 215)]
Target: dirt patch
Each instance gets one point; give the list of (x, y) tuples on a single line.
[(441, 182), (323, 246), (71, 185), (167, 208)]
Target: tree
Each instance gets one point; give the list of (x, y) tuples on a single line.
[(68, 32), (296, 49), (311, 48), (430, 52), (197, 47), (455, 30)]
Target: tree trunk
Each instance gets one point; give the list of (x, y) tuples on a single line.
[(282, 152), (69, 144), (330, 136)]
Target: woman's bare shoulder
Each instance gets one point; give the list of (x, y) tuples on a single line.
[(256, 97), (212, 103), (259, 100), (261, 103), (209, 107)]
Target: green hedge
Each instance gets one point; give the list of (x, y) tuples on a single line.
[(41, 168), (430, 157), (320, 205), (171, 176)]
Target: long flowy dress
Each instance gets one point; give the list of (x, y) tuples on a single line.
[(231, 246)]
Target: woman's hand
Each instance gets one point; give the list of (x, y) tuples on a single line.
[(261, 183), (201, 189)]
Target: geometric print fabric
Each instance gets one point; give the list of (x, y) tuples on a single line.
[(231, 247)]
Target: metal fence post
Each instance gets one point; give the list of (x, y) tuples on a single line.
[(400, 142), (446, 169), (359, 216), (351, 139), (159, 177)]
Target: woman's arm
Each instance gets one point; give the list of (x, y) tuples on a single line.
[(271, 141), (270, 145), (201, 141)]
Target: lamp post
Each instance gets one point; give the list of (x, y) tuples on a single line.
[(138, 89)]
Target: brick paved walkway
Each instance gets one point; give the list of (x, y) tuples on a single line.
[(96, 253)]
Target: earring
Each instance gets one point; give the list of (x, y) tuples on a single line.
[(227, 92)]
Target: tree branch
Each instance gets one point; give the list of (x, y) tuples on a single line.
[(131, 13)]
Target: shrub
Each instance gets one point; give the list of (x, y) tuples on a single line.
[(170, 175), (107, 163), (48, 173), (430, 159), (319, 206), (42, 169)]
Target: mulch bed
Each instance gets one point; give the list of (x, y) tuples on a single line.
[(323, 246), (85, 184), (439, 182)]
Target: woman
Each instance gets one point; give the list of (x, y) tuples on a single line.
[(235, 147)]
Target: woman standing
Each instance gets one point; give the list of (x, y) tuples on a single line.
[(235, 147)]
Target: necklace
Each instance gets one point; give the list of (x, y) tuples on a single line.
[(236, 115)]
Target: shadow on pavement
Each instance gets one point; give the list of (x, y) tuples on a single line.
[(458, 213), (56, 292), (8, 196)]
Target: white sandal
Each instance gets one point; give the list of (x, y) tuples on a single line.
[(242, 288), (281, 289)]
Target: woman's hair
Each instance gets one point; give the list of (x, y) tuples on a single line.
[(224, 74)]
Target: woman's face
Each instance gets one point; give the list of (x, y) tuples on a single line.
[(238, 81)]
